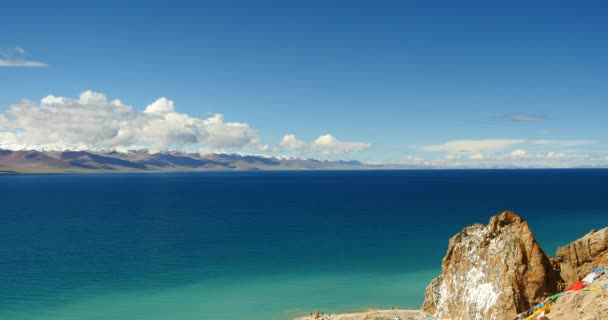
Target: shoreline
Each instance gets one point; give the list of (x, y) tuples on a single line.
[(367, 315)]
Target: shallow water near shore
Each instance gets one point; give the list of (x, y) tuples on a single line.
[(259, 245)]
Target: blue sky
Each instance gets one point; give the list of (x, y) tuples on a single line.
[(399, 80)]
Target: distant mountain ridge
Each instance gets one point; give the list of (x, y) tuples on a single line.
[(143, 160), (100, 160)]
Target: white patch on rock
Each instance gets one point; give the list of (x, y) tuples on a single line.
[(479, 293)]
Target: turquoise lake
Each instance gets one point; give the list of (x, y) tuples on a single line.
[(259, 245)]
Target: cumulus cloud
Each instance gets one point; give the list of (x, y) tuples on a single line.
[(5, 124), (519, 153), (328, 144), (473, 146), (564, 143), (160, 106), (324, 145), (15, 57), (93, 121), (290, 142), (524, 117), (236, 135)]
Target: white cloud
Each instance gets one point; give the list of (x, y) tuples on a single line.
[(222, 135), (473, 146), (324, 145), (160, 106), (564, 143), (519, 153), (328, 144), (517, 158), (93, 121), (15, 57), (5, 124), (290, 142), (524, 117), (21, 63), (89, 120), (503, 153), (552, 155)]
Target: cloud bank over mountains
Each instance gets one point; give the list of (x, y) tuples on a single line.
[(92, 121), (463, 146), (509, 153)]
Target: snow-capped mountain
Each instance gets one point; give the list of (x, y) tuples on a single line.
[(33, 158)]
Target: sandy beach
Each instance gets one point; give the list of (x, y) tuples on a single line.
[(368, 315)]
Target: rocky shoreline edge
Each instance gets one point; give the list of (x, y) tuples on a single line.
[(499, 272)]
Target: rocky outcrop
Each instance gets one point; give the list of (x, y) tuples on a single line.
[(491, 272), (498, 271), (578, 258)]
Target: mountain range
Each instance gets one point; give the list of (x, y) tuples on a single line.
[(143, 160)]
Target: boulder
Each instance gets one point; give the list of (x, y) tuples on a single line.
[(491, 272)]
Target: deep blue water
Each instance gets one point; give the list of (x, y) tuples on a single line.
[(265, 245)]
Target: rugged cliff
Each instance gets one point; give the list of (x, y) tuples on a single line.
[(580, 257), (576, 260), (491, 272)]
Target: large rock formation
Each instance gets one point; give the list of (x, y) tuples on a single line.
[(491, 272), (578, 258), (498, 271)]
